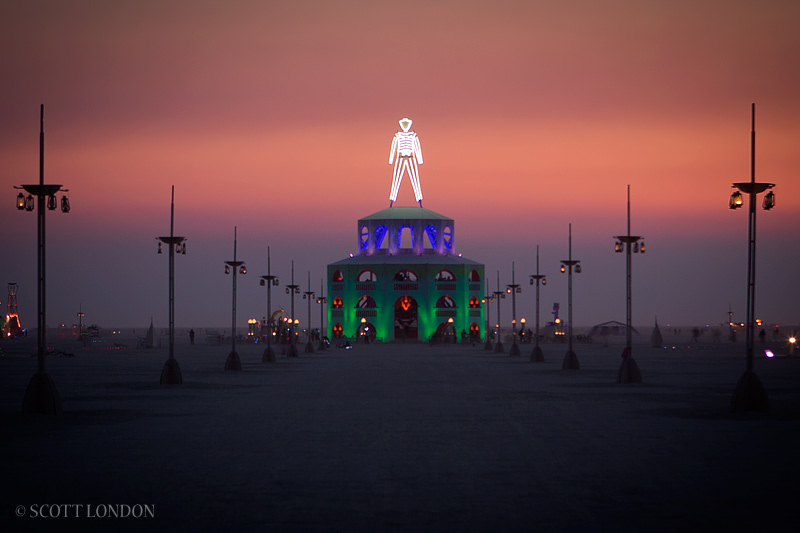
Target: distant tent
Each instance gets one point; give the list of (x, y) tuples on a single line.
[(151, 333), (611, 329), (656, 340)]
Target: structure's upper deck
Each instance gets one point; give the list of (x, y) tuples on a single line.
[(406, 230)]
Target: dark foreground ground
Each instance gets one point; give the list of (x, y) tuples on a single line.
[(403, 438)]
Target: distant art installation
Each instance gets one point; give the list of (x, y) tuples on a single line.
[(406, 155)]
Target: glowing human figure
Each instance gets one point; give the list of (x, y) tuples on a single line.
[(406, 154)]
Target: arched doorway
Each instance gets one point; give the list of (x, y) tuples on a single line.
[(365, 332), (406, 323), (474, 332)]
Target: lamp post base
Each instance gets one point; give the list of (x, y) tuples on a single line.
[(233, 362), (537, 355), (292, 351), (498, 348), (749, 395), (487, 345), (570, 361), (514, 350), (309, 347), (41, 396), (171, 374), (629, 371), (269, 355)]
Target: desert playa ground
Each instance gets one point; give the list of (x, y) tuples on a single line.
[(404, 437)]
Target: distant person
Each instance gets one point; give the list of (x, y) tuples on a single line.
[(191, 337), (762, 335)]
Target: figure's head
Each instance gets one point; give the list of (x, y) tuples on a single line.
[(405, 124)]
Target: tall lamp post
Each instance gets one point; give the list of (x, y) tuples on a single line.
[(537, 356), (292, 289), (513, 288), (309, 295), (171, 373), (41, 396), (487, 300), (322, 300), (498, 294), (568, 265), (629, 370), (749, 394), (269, 280), (233, 362)]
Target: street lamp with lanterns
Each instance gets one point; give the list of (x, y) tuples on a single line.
[(292, 289), (322, 300), (309, 295), (513, 288), (41, 396), (269, 281), (487, 300), (749, 394), (568, 265), (498, 294), (537, 356), (171, 373), (237, 267), (629, 370)]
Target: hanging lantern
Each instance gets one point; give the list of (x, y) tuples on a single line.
[(29, 203), (159, 246), (636, 247), (51, 202), (618, 246), (769, 201), (183, 249), (20, 201), (736, 200), (242, 270), (578, 268), (641, 248), (262, 282), (65, 204), (227, 269), (563, 268), (544, 281)]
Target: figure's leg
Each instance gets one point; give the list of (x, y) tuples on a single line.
[(413, 172), (398, 176)]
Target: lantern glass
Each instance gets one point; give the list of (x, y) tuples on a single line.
[(736, 200)]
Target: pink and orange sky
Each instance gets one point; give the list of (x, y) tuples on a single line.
[(277, 117)]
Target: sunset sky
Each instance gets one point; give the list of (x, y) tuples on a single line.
[(277, 117)]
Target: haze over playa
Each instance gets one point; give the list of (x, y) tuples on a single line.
[(277, 117)]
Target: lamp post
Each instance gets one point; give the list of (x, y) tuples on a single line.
[(292, 289), (537, 356), (513, 288), (41, 396), (568, 265), (498, 294), (171, 373), (269, 280), (80, 323), (321, 300), (487, 300), (629, 370), (749, 394), (309, 295), (233, 362)]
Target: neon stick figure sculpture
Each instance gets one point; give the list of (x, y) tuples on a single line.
[(406, 154)]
